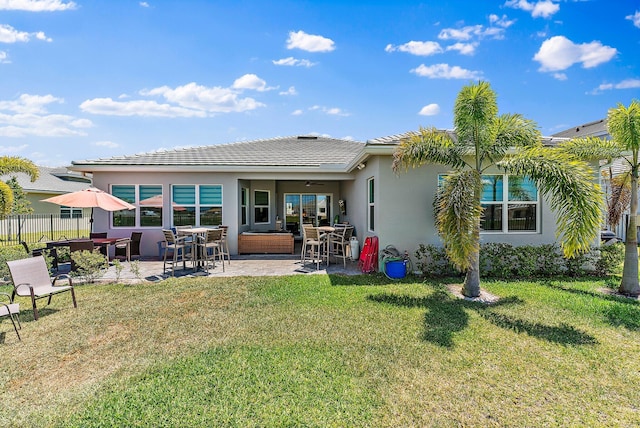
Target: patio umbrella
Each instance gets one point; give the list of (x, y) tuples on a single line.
[(91, 198)]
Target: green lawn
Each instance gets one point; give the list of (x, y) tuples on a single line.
[(324, 351)]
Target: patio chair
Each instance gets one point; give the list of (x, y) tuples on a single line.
[(11, 310), (129, 247), (31, 279), (312, 244), (178, 246), (339, 241), (224, 247), (79, 245), (98, 235), (210, 247)]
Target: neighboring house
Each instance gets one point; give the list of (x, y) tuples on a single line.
[(249, 185), (52, 182), (599, 129)]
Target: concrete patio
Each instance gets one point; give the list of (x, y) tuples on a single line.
[(243, 265)]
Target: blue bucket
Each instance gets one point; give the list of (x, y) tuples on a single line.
[(396, 268)]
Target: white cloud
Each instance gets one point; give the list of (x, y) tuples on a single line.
[(309, 42), (107, 144), (144, 4), (331, 111), (635, 18), (190, 100), (36, 5), (469, 32), (463, 48), (430, 110), (8, 34), (251, 81), (559, 53), (292, 62), (445, 71), (13, 149), (417, 48), (4, 58), (109, 107), (625, 84), (290, 91), (28, 116), (296, 112), (560, 76), (501, 21), (543, 8)]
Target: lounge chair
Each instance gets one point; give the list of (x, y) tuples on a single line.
[(10, 310), (31, 279)]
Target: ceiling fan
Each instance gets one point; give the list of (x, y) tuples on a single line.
[(313, 183)]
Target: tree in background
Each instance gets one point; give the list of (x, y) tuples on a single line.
[(8, 165), (483, 139), (21, 204)]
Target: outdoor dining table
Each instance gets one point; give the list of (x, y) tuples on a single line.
[(97, 242), (196, 233), (327, 231)]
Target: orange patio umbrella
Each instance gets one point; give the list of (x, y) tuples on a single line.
[(91, 198)]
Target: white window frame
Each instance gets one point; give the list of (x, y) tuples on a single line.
[(504, 203), (70, 212), (371, 204), (244, 206), (268, 206), (198, 204), (139, 208)]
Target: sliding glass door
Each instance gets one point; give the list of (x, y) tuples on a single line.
[(306, 208)]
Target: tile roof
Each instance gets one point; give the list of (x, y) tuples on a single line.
[(51, 180), (597, 128), (299, 151), (395, 139)]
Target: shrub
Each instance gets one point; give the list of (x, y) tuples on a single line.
[(15, 252), (505, 261), (433, 261), (611, 258), (90, 265)]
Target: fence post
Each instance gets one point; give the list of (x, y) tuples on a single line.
[(51, 226), (19, 229)]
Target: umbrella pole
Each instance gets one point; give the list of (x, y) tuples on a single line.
[(91, 222)]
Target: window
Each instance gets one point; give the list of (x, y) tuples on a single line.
[(261, 206), (244, 202), (197, 205), (371, 201), (148, 201), (510, 204), (69, 212)]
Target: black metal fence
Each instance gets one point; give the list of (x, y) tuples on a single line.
[(33, 228)]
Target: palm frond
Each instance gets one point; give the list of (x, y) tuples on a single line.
[(428, 146), (569, 185), (619, 198), (6, 199), (474, 111), (458, 212), (591, 148), (11, 164), (624, 126)]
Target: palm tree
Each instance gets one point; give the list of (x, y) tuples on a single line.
[(483, 139), (8, 165), (624, 127)]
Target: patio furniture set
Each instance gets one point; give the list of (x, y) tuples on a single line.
[(200, 245), (321, 243)]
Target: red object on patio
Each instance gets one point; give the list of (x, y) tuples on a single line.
[(369, 256), (91, 198)]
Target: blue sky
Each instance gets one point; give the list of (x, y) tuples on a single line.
[(89, 79)]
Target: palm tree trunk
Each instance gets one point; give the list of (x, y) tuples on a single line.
[(629, 284), (471, 287)]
